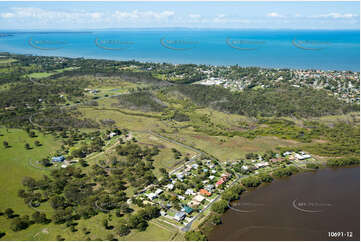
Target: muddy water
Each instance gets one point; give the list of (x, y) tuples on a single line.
[(307, 206)]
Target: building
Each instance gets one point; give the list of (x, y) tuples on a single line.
[(151, 196), (187, 209), (179, 216), (190, 192), (211, 177), (209, 187), (219, 182), (261, 164), (170, 186), (205, 192), (58, 159), (198, 198), (302, 156), (158, 191)]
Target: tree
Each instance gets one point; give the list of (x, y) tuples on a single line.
[(220, 206), (123, 230), (20, 223), (37, 143), (83, 163), (29, 182), (215, 219), (195, 236), (9, 212), (142, 226), (39, 218), (27, 146), (6, 144)]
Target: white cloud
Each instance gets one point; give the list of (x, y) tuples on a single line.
[(275, 15), (194, 16), (336, 15), (7, 15), (136, 14)]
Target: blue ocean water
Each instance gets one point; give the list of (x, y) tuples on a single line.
[(311, 49)]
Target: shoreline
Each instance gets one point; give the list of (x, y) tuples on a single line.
[(171, 63)]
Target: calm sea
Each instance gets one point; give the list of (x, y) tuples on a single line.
[(326, 50)]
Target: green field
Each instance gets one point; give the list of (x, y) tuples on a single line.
[(14, 165), (39, 75)]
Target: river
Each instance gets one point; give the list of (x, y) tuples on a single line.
[(306, 206)]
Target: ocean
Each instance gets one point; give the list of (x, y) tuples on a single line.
[(296, 49)]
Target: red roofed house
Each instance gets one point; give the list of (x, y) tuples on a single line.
[(220, 182), (204, 192)]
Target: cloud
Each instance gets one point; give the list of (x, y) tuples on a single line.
[(136, 14), (275, 15), (194, 16), (336, 15)]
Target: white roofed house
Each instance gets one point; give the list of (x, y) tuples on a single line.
[(179, 216), (302, 157), (152, 196), (189, 192), (170, 186), (158, 191)]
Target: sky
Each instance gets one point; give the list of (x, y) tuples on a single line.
[(238, 15)]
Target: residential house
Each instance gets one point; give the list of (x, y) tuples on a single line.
[(302, 156), (205, 192), (209, 187), (152, 196), (58, 159), (211, 177), (179, 216), (158, 192), (170, 186), (187, 209), (190, 192)]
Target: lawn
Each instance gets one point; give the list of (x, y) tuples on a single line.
[(14, 166), (39, 75)]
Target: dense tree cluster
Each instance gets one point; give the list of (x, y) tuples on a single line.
[(284, 100)]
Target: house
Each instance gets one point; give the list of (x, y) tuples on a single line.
[(302, 156), (64, 166), (181, 197), (195, 166), (209, 187), (187, 209), (58, 159), (180, 176), (190, 192), (245, 167), (211, 177), (163, 213), (219, 182), (112, 134), (287, 153), (198, 198), (213, 171), (205, 170), (211, 166), (152, 195), (158, 191), (261, 164), (179, 216), (205, 181), (170, 186), (205, 192)]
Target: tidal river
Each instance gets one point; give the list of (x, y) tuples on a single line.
[(322, 205)]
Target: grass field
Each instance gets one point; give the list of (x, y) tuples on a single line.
[(39, 75), (14, 166)]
